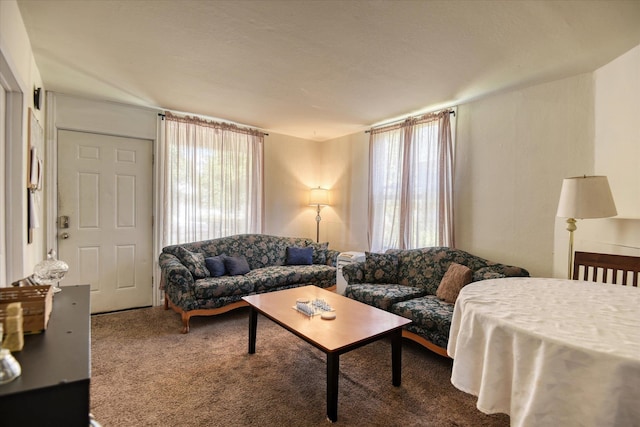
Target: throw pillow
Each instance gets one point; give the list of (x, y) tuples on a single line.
[(215, 265), (380, 268), (236, 265), (193, 261), (320, 252), (456, 277), (299, 256)]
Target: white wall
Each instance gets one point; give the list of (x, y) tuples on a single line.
[(617, 155), (294, 165), (513, 149), (17, 61), (15, 43), (291, 168), (617, 109), (346, 172), (104, 117)]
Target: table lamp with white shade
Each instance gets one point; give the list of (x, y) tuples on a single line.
[(584, 197)]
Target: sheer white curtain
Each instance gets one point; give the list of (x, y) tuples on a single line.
[(212, 180), (411, 184)]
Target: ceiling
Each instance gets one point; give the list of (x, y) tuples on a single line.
[(318, 69)]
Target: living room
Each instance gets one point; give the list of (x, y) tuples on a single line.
[(550, 130), (513, 149)]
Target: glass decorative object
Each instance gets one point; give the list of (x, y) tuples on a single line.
[(9, 367), (50, 271)]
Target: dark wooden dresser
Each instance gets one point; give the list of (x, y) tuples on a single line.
[(53, 389)]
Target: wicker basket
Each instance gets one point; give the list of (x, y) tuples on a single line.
[(37, 302)]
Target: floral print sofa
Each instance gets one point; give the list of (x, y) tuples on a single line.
[(405, 282), (192, 289)]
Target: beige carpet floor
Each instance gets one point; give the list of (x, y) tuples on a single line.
[(145, 373)]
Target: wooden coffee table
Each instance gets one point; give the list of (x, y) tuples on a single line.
[(356, 324)]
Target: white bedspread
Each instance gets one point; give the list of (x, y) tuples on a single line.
[(549, 352)]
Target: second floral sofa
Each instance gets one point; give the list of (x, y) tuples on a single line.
[(421, 285)]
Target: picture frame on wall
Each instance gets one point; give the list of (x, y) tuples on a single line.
[(35, 172)]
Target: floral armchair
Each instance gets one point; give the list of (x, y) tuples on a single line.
[(406, 282)]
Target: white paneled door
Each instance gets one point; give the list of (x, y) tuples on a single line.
[(105, 217)]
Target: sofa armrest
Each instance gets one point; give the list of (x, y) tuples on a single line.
[(177, 281), (497, 271), (332, 257), (353, 272)]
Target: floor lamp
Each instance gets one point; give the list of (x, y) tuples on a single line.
[(318, 197), (584, 197)]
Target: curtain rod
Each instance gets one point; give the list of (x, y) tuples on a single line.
[(164, 115), (407, 118)]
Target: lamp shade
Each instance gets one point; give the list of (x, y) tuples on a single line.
[(319, 196), (586, 197)]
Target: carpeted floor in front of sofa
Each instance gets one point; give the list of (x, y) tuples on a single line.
[(146, 373)]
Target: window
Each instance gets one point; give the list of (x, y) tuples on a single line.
[(410, 184), (212, 184)]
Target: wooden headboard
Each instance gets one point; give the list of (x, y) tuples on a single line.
[(606, 268)]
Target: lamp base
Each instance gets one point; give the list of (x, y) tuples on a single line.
[(318, 219), (571, 227)]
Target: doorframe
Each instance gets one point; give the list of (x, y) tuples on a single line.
[(51, 173), (51, 168), (14, 169)]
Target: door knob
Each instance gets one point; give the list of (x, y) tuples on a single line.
[(65, 235)]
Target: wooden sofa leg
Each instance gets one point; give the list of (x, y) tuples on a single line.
[(185, 323), (184, 315)]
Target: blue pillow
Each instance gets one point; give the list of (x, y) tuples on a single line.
[(236, 265), (299, 256), (215, 265)]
